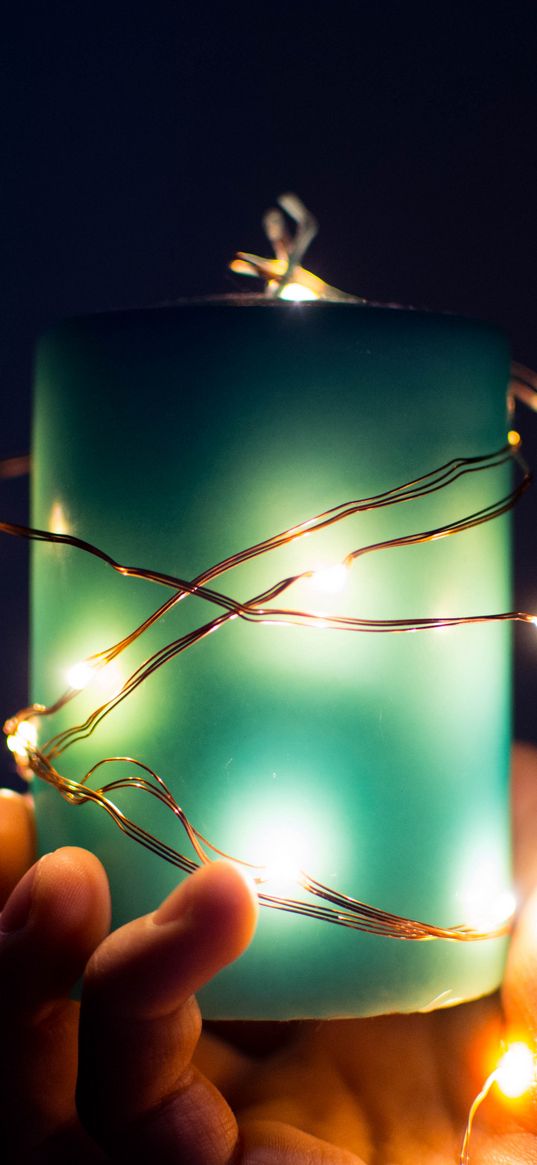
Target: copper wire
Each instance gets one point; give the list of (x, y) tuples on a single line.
[(337, 908), (325, 903)]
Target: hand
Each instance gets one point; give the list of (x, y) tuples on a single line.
[(394, 1089)]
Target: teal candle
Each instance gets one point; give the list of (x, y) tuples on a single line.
[(176, 437)]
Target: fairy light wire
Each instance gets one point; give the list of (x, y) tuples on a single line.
[(514, 1075), (325, 903), (474, 1108), (283, 275), (255, 610), (329, 904)]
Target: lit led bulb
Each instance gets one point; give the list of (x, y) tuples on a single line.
[(22, 739), (516, 1071), (80, 674), (514, 438), (331, 579), (514, 1075), (487, 904), (283, 850), (297, 293), (108, 677), (494, 911), (57, 521)]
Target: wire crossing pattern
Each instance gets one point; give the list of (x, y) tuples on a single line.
[(324, 903)]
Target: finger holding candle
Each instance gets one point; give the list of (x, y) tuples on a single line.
[(50, 925), (53, 920), (137, 1090), (138, 1093), (277, 1143), (17, 839)]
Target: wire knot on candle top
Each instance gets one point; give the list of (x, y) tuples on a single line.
[(284, 276)]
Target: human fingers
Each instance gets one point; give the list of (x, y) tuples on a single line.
[(17, 840), (524, 807), (50, 925), (267, 1142), (520, 998), (138, 1094)]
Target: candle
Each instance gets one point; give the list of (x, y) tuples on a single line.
[(374, 763)]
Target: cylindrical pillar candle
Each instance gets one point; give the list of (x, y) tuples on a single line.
[(174, 438)]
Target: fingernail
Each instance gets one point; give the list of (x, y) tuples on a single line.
[(218, 882), (18, 907)]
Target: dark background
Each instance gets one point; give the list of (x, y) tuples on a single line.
[(142, 144)]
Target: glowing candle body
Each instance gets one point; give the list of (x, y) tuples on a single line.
[(379, 762)]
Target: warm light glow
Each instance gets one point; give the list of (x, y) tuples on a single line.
[(80, 674), (487, 904), (297, 293), (514, 1075), (331, 579), (516, 1071), (23, 738), (303, 526), (283, 850), (514, 438), (108, 677), (58, 522)]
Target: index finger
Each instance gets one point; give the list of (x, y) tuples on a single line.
[(17, 840), (138, 1094)]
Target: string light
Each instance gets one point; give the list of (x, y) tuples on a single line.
[(282, 849), (297, 293), (492, 910), (80, 675), (279, 870), (331, 579), (514, 1075), (285, 277), (323, 902), (485, 902), (105, 673), (58, 519), (22, 739), (516, 1071)]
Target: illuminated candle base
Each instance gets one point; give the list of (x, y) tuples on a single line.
[(378, 763)]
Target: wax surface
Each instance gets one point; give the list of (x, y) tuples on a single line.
[(172, 438)]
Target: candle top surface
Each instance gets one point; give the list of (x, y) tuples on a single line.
[(257, 299), (321, 312)]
